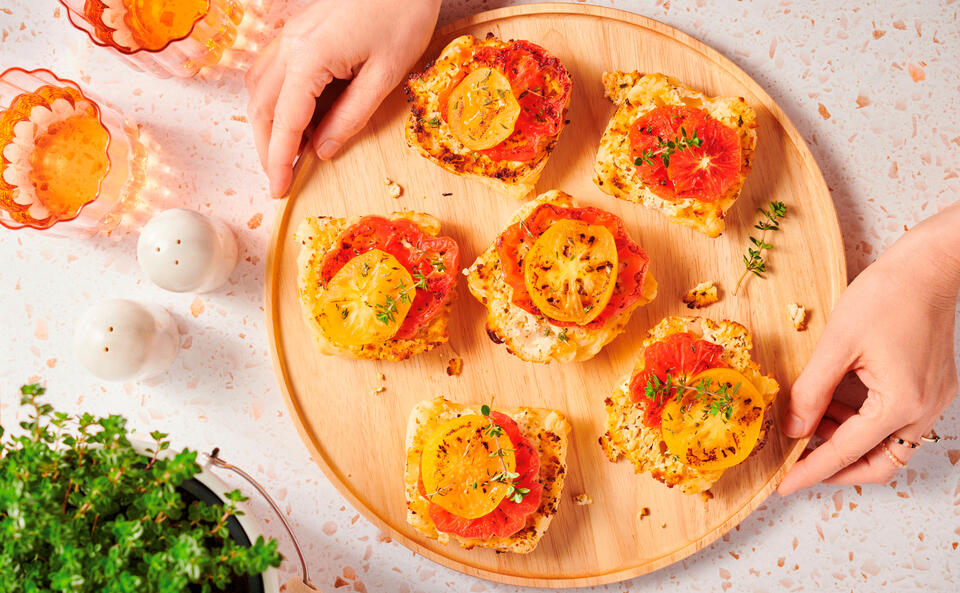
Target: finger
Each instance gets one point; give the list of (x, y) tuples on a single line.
[(826, 428), (814, 388), (263, 62), (353, 109), (295, 105), (839, 412), (874, 467), (852, 439), (263, 101)]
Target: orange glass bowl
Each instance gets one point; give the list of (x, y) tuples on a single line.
[(68, 161), (192, 40)]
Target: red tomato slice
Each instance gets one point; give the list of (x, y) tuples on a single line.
[(542, 87), (509, 517), (633, 259), (436, 258), (681, 354), (703, 172), (707, 171)]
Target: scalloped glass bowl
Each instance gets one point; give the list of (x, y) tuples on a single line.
[(69, 162), (187, 44)]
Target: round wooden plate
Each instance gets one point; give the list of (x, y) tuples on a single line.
[(357, 435)]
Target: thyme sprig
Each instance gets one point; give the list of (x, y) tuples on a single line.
[(665, 148), (387, 310), (721, 398), (515, 493), (754, 262)]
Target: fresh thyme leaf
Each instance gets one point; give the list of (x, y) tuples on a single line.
[(420, 280), (438, 265), (433, 122), (562, 336), (754, 262)]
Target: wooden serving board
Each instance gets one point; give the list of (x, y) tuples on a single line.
[(357, 435)]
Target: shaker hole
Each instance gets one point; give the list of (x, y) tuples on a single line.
[(176, 262), (110, 329), (105, 349), (178, 241)]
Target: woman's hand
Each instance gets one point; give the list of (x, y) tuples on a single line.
[(893, 327), (372, 42)]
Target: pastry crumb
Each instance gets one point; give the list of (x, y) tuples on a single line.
[(393, 188), (379, 390), (706, 495), (644, 512), (583, 499), (798, 316), (455, 366), (702, 295)]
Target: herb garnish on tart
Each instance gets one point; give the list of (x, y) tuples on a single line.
[(478, 488)]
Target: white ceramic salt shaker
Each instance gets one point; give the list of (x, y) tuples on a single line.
[(120, 340), (184, 251)]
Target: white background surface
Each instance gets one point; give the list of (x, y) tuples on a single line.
[(873, 90)]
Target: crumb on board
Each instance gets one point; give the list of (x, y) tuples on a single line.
[(380, 388), (798, 316), (701, 295), (644, 512), (663, 526), (706, 495), (455, 366), (393, 188), (583, 499)]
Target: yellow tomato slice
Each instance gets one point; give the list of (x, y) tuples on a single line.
[(482, 110), (458, 469), (366, 301), (718, 429), (571, 271)]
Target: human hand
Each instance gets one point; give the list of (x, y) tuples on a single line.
[(372, 42), (893, 327)]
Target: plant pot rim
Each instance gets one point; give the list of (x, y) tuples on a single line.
[(206, 477)]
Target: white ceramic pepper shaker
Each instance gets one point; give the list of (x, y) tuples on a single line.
[(120, 340), (184, 251)]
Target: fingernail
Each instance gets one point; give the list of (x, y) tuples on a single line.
[(793, 426), (328, 148)]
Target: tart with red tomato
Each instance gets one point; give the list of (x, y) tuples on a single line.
[(561, 281), (694, 405), (484, 477), (376, 287), (674, 149), (489, 109)]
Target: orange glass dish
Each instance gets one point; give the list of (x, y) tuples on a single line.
[(162, 37), (66, 159)]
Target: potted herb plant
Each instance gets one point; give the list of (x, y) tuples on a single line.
[(82, 508)]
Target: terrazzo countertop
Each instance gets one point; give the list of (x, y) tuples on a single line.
[(874, 91)]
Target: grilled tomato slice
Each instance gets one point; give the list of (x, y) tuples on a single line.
[(571, 270), (518, 238), (482, 110), (718, 428), (457, 468), (366, 301)]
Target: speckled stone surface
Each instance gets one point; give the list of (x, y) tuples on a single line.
[(874, 91)]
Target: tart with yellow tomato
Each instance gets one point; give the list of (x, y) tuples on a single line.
[(489, 109), (674, 149), (484, 477), (695, 404), (560, 282), (376, 287)]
